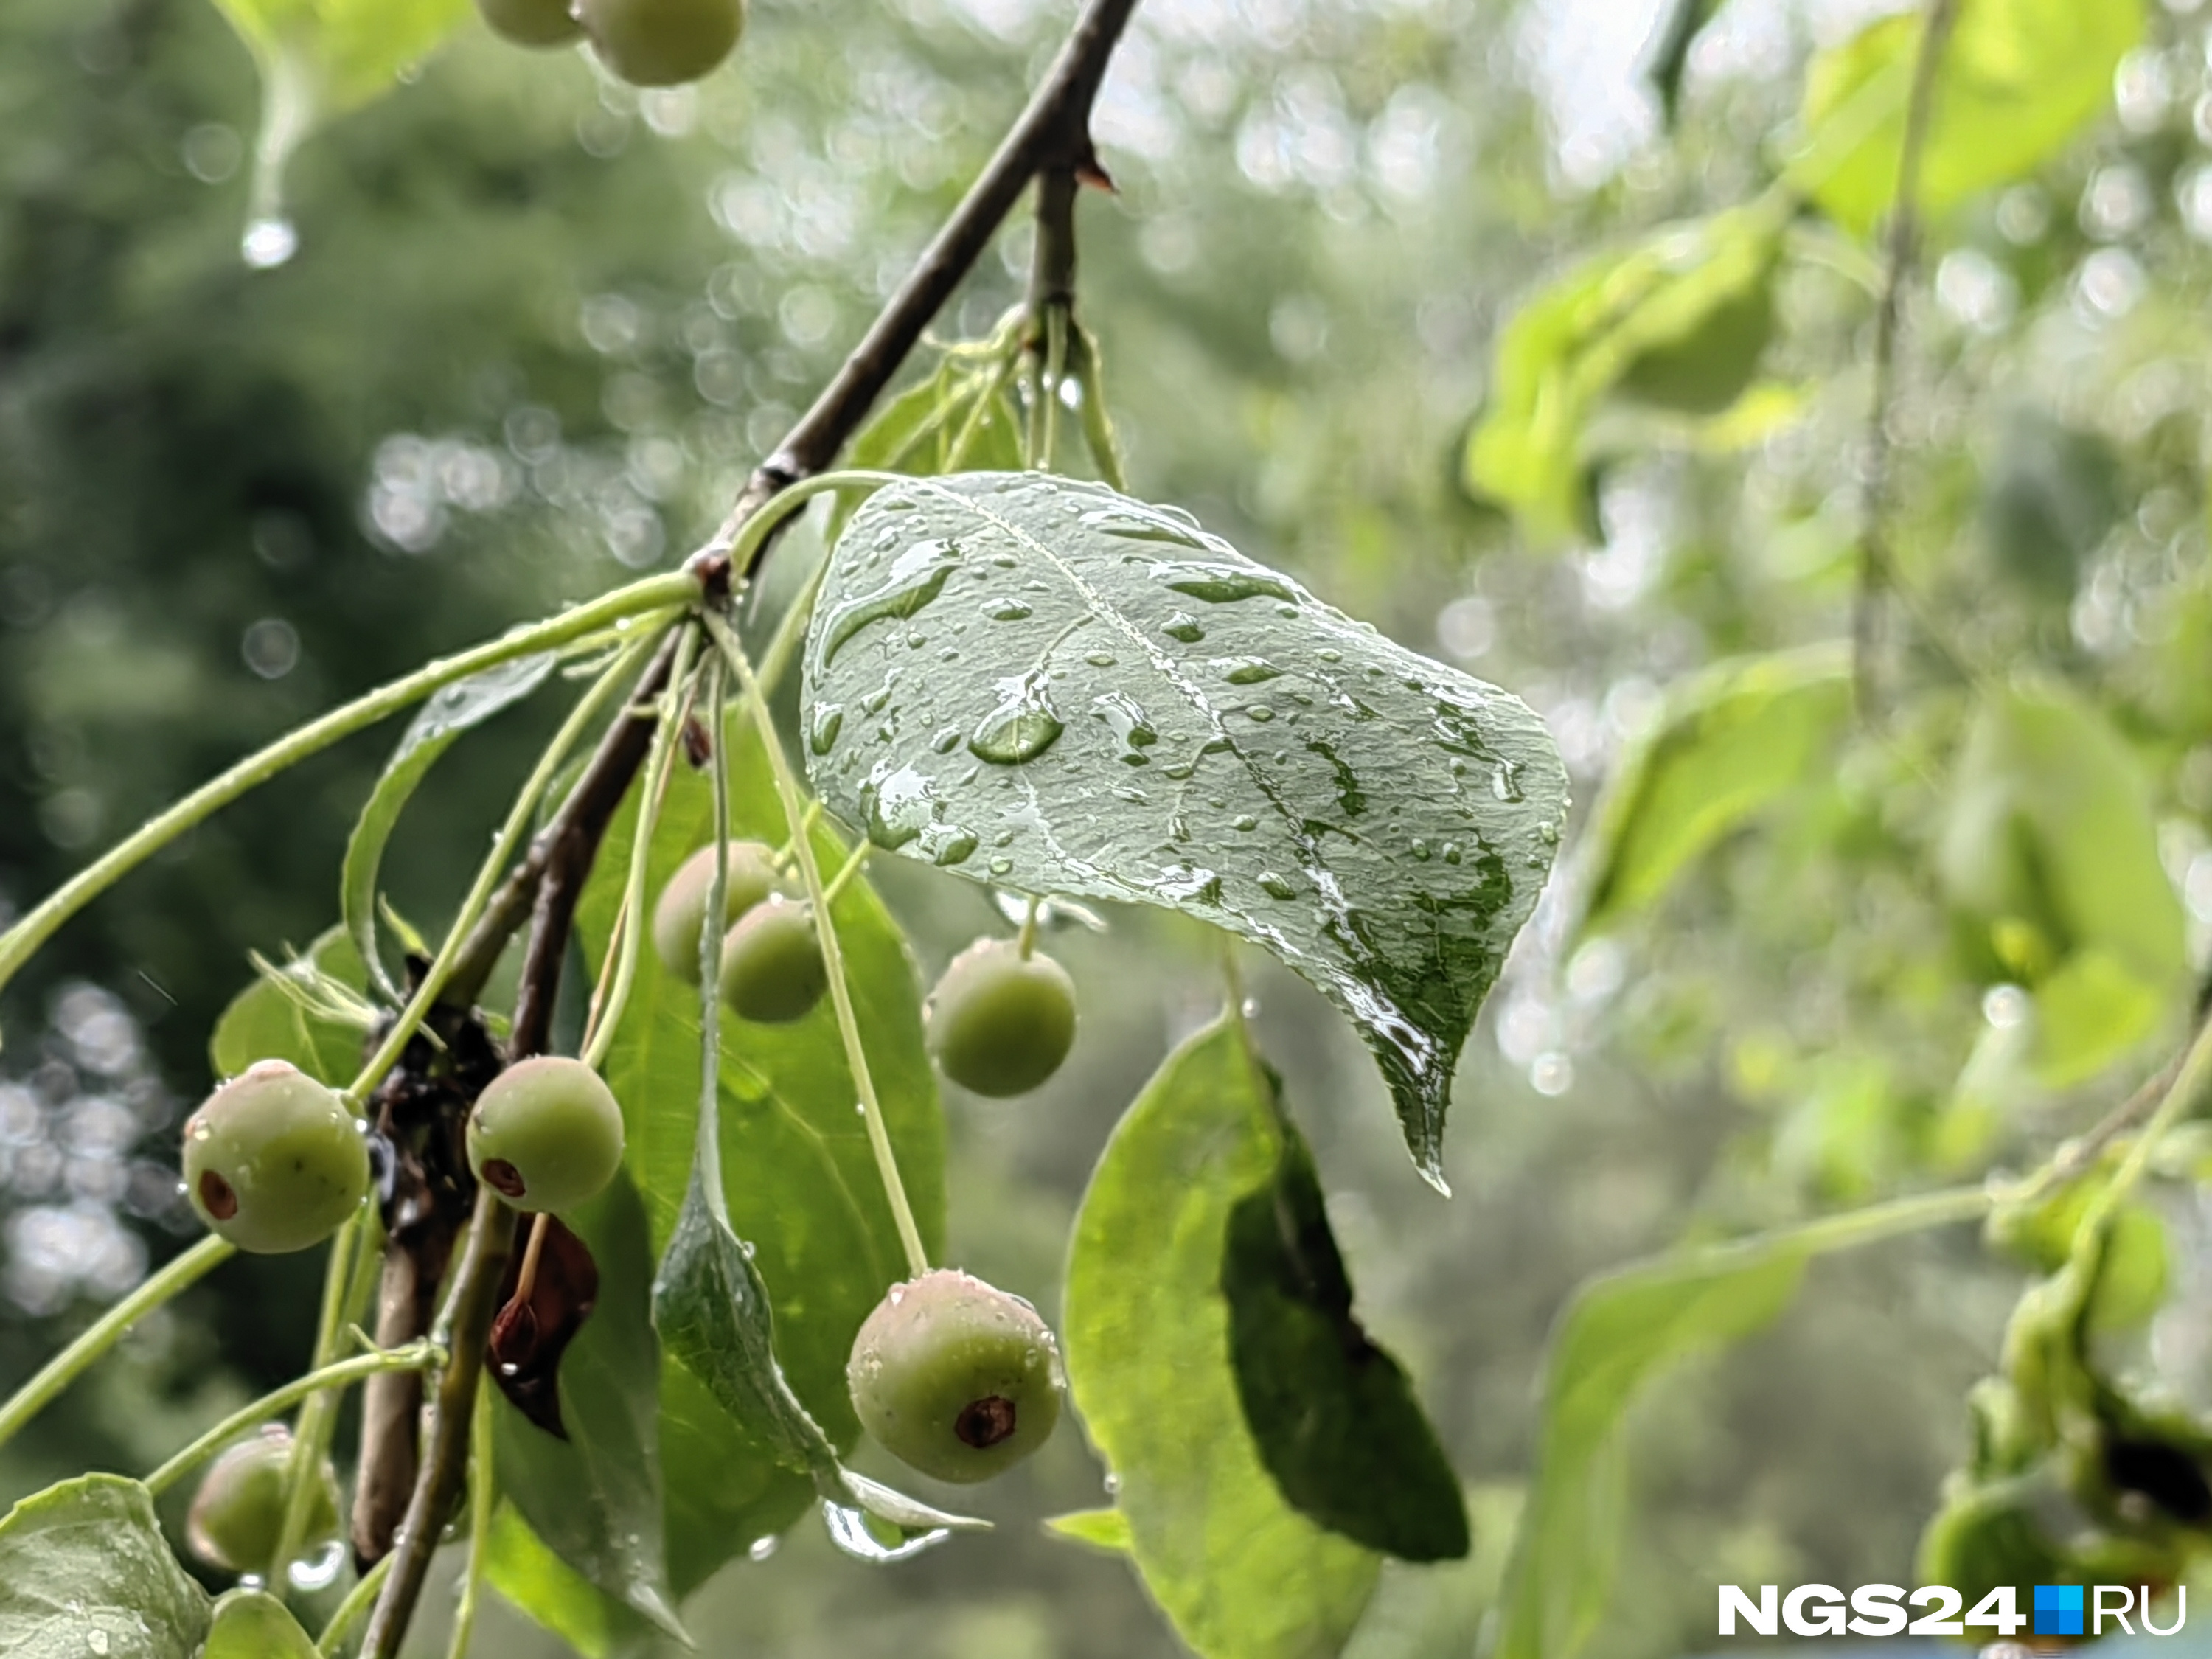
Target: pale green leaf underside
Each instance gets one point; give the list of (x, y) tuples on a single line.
[(1045, 684), (83, 1568), (1240, 1573), (254, 1624)]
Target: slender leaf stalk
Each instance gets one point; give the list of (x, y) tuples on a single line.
[(65, 1367), (707, 1145), (318, 1416), (631, 928), (357, 1603), (21, 941), (483, 1494), (833, 956), (414, 1356)]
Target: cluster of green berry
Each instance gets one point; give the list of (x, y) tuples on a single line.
[(648, 43)]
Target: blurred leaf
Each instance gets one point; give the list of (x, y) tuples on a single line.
[(83, 1568), (253, 1625), (1679, 319), (800, 1181), (1146, 1329), (270, 1020), (1622, 1331), (1102, 1529), (320, 58), (2133, 1276), (1669, 51), (539, 1584), (1735, 739), (2048, 498), (2018, 79), (1336, 1421), (2051, 848), (594, 1499), (428, 735), (1120, 674)]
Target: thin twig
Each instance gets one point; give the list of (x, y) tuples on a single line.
[(1877, 567)]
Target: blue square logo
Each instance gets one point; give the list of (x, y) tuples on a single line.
[(2058, 1609)]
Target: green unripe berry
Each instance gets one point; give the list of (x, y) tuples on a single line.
[(1000, 1023), (239, 1507), (682, 910), (531, 22), (954, 1377), (662, 43), (546, 1133), (273, 1160), (772, 968)]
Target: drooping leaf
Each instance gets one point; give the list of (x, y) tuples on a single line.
[(1668, 54), (1101, 1530), (800, 1182), (292, 1020), (1681, 319), (449, 713), (2049, 853), (1240, 1573), (1335, 1418), (320, 58), (1621, 1331), (594, 1499), (2018, 78), (1732, 741), (538, 1584), (253, 1625), (83, 1570), (1045, 684)]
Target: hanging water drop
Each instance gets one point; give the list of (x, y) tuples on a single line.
[(268, 242), (1022, 726)]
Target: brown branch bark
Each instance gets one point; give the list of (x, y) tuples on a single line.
[(1051, 137)]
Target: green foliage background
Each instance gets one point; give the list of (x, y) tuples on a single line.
[(537, 328)]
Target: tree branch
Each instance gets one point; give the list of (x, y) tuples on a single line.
[(1053, 132), (1877, 562)]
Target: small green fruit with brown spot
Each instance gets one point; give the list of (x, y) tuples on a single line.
[(662, 43), (239, 1509), (532, 23), (682, 910), (772, 968), (1000, 1023), (955, 1377), (273, 1160), (546, 1133)]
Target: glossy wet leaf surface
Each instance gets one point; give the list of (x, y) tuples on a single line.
[(1045, 684), (536, 1582), (594, 1497), (1146, 1336), (1335, 1418), (433, 731), (801, 1185), (84, 1570)]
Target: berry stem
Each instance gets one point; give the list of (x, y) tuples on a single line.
[(20, 942), (706, 1144), (833, 956), (483, 1493), (1025, 941), (526, 1276), (350, 1611), (622, 951), (65, 1367), (510, 839), (414, 1356), (850, 868)]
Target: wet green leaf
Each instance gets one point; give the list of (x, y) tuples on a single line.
[(594, 1499), (2049, 853), (1146, 1331), (801, 1183), (538, 1584), (83, 1568), (282, 1016), (1101, 1530), (1679, 319), (1044, 683), (1731, 742), (428, 735), (1336, 1421), (2018, 79), (254, 1624)]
